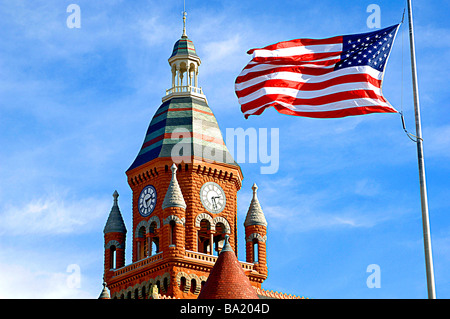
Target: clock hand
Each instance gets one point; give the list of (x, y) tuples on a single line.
[(214, 201)]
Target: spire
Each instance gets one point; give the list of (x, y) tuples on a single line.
[(255, 215), (104, 294), (184, 25), (174, 196), (227, 279), (226, 245), (115, 222)]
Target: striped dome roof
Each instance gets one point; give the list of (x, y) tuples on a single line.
[(184, 46), (190, 125)]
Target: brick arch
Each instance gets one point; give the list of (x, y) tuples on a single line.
[(257, 236), (175, 218), (220, 219), (154, 219), (141, 224), (206, 216), (187, 277), (197, 280), (114, 243), (148, 286)]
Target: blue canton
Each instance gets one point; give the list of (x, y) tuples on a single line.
[(370, 49)]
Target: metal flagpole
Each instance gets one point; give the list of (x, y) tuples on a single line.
[(423, 187)]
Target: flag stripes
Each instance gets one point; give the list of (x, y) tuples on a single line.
[(333, 77)]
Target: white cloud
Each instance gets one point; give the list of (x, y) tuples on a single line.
[(53, 214), (291, 206), (43, 284)]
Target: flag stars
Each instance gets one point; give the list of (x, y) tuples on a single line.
[(371, 49)]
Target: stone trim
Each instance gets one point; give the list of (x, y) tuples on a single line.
[(114, 243), (257, 236)]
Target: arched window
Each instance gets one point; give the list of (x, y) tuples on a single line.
[(166, 284), (255, 250), (204, 237), (219, 238), (193, 285), (183, 283), (142, 245), (144, 295), (113, 256), (172, 232), (154, 240)]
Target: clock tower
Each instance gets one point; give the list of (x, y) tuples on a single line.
[(184, 185)]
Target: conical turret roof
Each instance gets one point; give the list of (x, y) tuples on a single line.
[(255, 215), (115, 223), (174, 196), (104, 294), (227, 279)]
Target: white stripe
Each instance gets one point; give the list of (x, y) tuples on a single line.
[(298, 50), (257, 66), (303, 78), (345, 87), (348, 104)]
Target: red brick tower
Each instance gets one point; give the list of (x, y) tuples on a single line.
[(114, 235), (256, 235), (184, 183)]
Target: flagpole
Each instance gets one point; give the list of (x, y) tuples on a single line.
[(423, 187)]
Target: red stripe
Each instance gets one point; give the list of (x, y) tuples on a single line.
[(183, 135), (190, 109), (330, 98), (361, 110), (298, 43), (152, 141), (307, 86), (294, 59), (294, 69)]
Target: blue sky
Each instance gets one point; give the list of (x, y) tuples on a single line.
[(75, 105)]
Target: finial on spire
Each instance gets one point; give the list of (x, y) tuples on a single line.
[(174, 169), (115, 195), (254, 187), (226, 245), (174, 196), (184, 21)]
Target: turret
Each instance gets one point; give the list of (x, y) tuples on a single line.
[(114, 234), (256, 235), (174, 209)]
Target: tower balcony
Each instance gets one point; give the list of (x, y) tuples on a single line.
[(184, 90)]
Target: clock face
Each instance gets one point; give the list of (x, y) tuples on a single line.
[(147, 200), (212, 197)]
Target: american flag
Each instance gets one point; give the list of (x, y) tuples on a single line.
[(325, 78)]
